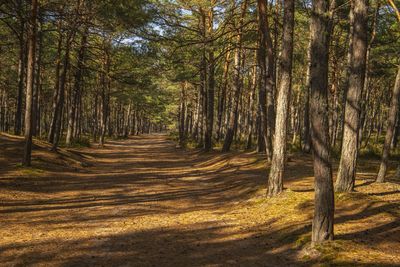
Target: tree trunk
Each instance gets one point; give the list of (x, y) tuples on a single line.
[(182, 112), (348, 160), (322, 227), (61, 94), (394, 107), (237, 86), (222, 96), (266, 58), (57, 84), (29, 83), (211, 83), (21, 77), (306, 144), (77, 88), (275, 181), (105, 84), (38, 80)]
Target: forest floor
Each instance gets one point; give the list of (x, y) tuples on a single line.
[(143, 202)]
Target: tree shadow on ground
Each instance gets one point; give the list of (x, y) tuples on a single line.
[(148, 176)]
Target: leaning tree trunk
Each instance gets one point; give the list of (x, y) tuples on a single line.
[(348, 160), (275, 181), (322, 227), (394, 107), (26, 161)]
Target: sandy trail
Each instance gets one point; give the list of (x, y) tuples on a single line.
[(142, 202)]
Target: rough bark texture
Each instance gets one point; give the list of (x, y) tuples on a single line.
[(275, 181), (348, 160), (322, 227), (394, 107), (29, 83)]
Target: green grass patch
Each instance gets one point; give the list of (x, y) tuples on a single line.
[(29, 171)]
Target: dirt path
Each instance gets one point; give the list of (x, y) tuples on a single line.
[(142, 202)]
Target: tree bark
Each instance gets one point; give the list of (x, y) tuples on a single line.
[(275, 181), (77, 87), (211, 83), (21, 75), (348, 160), (222, 96), (306, 144), (266, 62), (322, 227), (57, 84), (29, 83), (105, 84), (182, 112), (394, 107), (237, 86), (61, 94)]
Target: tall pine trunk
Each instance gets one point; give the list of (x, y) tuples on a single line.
[(266, 62), (275, 181), (322, 227), (394, 107), (21, 75), (237, 85), (77, 88), (348, 160), (29, 83), (57, 83), (210, 83)]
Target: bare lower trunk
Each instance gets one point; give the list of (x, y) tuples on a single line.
[(266, 57), (182, 112), (21, 81), (237, 86), (394, 107), (57, 85), (76, 89), (275, 181), (26, 161), (348, 160), (210, 85), (322, 227)]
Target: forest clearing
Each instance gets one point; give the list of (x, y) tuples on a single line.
[(200, 133)]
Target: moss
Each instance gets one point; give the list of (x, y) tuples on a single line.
[(302, 240), (81, 142), (31, 172)]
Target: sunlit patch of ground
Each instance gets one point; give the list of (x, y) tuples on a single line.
[(143, 202)]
